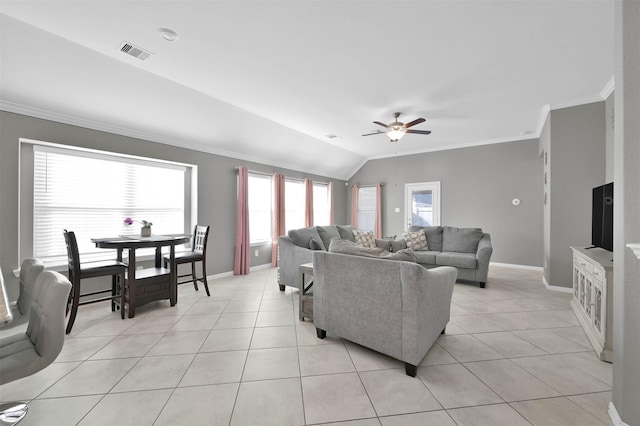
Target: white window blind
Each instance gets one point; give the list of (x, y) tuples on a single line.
[(293, 204), (259, 208), (367, 208), (91, 194), (321, 204)]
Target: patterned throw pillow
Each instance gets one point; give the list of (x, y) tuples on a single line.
[(364, 238), (415, 240)]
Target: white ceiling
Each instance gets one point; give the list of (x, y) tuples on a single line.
[(266, 81)]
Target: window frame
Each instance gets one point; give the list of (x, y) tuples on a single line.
[(327, 203), (258, 175), (26, 194), (360, 209)]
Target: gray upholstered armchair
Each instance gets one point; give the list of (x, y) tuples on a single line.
[(26, 353), (397, 308), (30, 269)]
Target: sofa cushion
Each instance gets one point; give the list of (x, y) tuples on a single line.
[(461, 240), (426, 257), (364, 238), (342, 246), (383, 244), (302, 236), (327, 233), (315, 244), (397, 245), (457, 260), (346, 232), (415, 240), (434, 236)]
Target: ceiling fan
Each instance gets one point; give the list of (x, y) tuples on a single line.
[(397, 130)]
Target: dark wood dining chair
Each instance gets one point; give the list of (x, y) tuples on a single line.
[(79, 271), (198, 253)]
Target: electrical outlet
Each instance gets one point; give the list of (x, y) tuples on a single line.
[(397, 209), (256, 253)]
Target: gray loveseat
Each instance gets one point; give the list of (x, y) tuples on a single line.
[(466, 249), (397, 308)]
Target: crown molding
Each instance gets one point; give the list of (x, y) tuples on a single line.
[(608, 88), (544, 113), (147, 136)]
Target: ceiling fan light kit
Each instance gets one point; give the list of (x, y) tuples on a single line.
[(396, 133), (397, 130)]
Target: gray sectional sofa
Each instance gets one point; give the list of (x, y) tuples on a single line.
[(396, 307), (466, 249)]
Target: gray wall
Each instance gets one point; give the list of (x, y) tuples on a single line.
[(609, 112), (576, 150), (216, 186), (477, 186), (545, 142), (626, 269)]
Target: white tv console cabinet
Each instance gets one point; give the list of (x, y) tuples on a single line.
[(592, 297)]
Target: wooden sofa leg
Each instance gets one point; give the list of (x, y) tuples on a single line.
[(410, 369), (482, 284), (321, 333), (282, 286)]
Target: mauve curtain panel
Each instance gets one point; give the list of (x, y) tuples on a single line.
[(308, 202), (354, 206), (241, 263), (332, 220), (278, 227), (377, 230)]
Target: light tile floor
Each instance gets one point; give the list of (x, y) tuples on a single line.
[(514, 354)]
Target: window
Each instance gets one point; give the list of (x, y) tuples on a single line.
[(422, 204), (293, 204), (91, 192), (367, 208), (321, 204), (259, 208)]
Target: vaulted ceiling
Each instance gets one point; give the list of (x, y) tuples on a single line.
[(270, 81)]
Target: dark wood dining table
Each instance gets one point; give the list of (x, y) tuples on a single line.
[(148, 284)]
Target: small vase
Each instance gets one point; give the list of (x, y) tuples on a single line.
[(145, 231)]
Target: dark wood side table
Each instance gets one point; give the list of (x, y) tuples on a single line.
[(306, 293)]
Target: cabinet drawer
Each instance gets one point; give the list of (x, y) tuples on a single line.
[(598, 273), (584, 264)]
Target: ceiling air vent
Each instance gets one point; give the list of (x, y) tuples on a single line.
[(135, 51)]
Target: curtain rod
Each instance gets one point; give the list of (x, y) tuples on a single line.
[(286, 177)]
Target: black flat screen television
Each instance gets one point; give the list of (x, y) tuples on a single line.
[(602, 217)]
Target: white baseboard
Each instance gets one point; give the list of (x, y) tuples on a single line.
[(556, 287), (513, 265), (614, 416), (230, 273)]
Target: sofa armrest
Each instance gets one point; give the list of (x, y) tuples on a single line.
[(426, 307), (291, 256), (483, 256)]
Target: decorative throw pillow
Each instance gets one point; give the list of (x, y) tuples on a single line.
[(415, 240), (364, 238), (315, 245), (434, 236)]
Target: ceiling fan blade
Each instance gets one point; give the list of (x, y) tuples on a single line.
[(414, 122), (420, 132), (377, 132), (380, 124)]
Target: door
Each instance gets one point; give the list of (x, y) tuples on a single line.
[(422, 204)]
